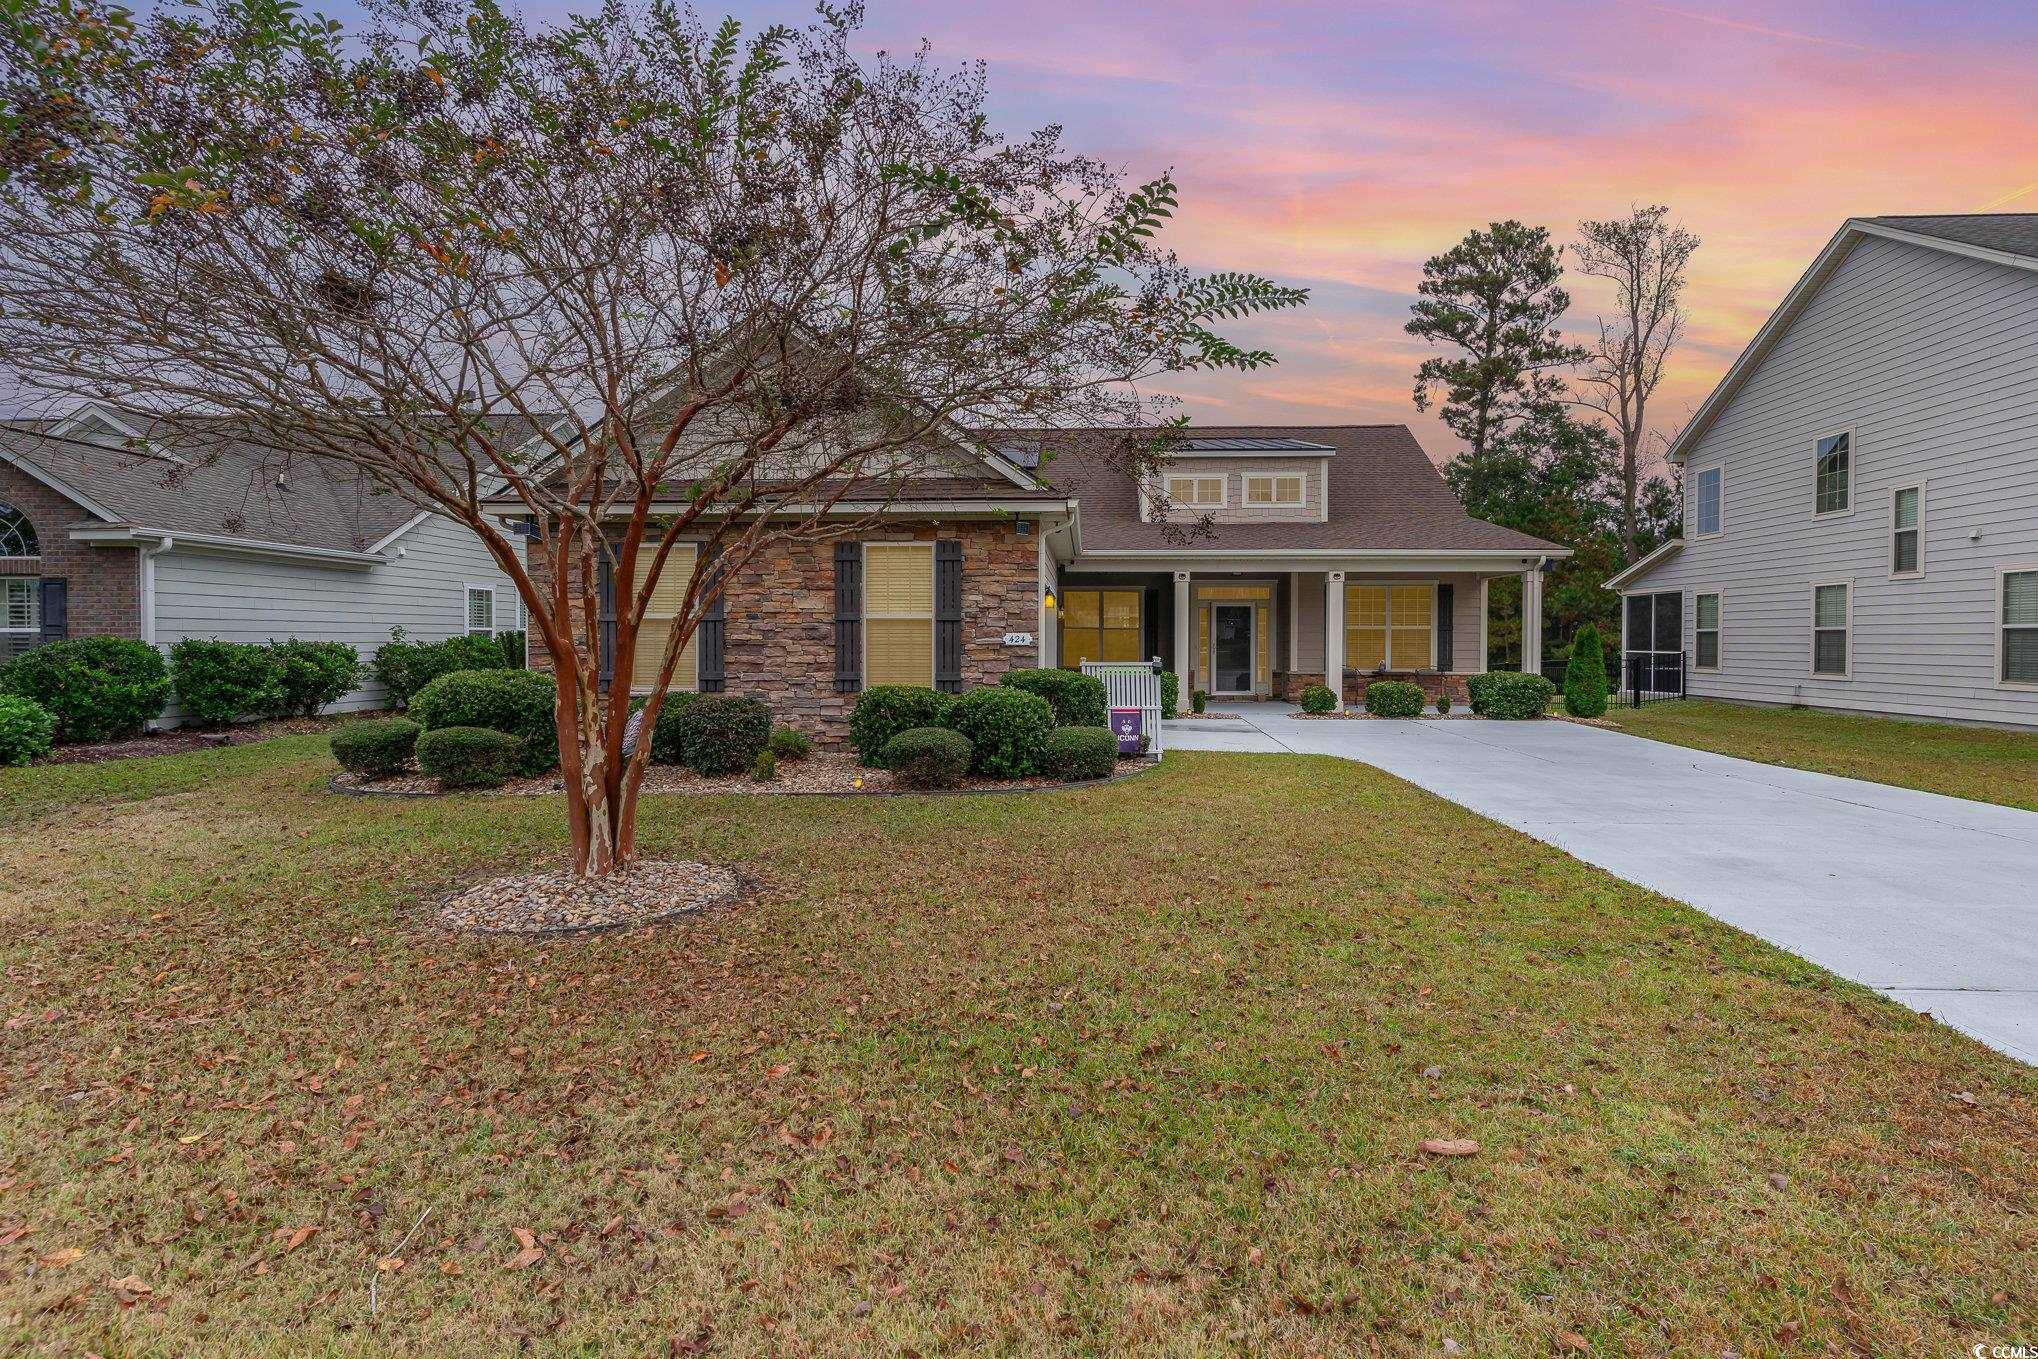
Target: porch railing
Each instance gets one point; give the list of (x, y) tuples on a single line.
[(1133, 684)]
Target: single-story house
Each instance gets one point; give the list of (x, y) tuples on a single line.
[(99, 540), (1258, 561), (1861, 489)]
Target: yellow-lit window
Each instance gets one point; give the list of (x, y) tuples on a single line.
[(1394, 626), (898, 613), (1100, 625), (668, 597), (1197, 493), (1273, 490)]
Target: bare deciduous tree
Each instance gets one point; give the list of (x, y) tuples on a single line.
[(1644, 257), (729, 291)]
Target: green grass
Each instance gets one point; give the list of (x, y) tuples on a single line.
[(1137, 1069), (1971, 762)]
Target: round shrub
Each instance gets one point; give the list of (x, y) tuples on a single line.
[(315, 674), (928, 757), (1075, 753), (97, 688), (221, 682), (375, 748), (1171, 694), (765, 768), (1006, 727), (1585, 676), (515, 702), (27, 730), (789, 743), (1513, 697), (1395, 698), (1197, 699), (721, 735), (668, 737), (1077, 699), (469, 757), (1479, 688), (1443, 702), (405, 667), (1318, 698), (885, 710)]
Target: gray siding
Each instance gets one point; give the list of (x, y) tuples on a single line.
[(1931, 360), (253, 599)]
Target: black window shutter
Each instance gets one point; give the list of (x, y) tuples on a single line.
[(948, 616), (709, 636), (1150, 620), (605, 616), (1445, 617), (848, 618), (56, 608)]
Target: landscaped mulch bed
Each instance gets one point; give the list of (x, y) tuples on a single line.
[(815, 776), (179, 740), (1361, 715), (562, 902)]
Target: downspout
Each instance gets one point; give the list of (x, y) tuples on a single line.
[(148, 599)]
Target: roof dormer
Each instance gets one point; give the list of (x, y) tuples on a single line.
[(1241, 479)]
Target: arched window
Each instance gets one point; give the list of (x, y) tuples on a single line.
[(17, 535)]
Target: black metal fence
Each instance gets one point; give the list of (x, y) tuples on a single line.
[(1649, 676)]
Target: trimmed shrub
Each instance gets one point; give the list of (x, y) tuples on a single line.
[(885, 710), (721, 734), (1480, 689), (1395, 698), (1077, 753), (928, 757), (1197, 698), (668, 737), (406, 667), (315, 674), (1585, 676), (469, 757), (97, 688), (765, 768), (1514, 697), (27, 730), (1078, 700), (1006, 727), (789, 743), (1443, 702), (515, 702), (512, 645), (1171, 695), (221, 682), (375, 748), (1318, 698)]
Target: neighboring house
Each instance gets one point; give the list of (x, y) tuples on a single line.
[(1861, 490), (97, 540), (1297, 552)]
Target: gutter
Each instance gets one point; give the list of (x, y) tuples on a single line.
[(128, 533)]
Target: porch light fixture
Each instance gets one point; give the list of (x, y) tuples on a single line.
[(1047, 600)]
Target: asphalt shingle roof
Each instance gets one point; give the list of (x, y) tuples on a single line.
[(2013, 233)]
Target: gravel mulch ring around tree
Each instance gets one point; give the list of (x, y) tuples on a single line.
[(816, 776), (559, 901)]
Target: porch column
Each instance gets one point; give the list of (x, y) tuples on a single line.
[(1334, 638), (1185, 631), (1532, 622)]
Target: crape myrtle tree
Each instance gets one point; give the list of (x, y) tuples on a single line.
[(610, 283)]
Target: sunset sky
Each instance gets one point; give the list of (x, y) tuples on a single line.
[(1338, 144)]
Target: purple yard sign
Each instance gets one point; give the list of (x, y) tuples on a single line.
[(1129, 725)]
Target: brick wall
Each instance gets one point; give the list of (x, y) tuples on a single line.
[(105, 582), (779, 642)]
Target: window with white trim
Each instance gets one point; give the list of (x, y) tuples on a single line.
[(1830, 629), (1705, 631), (2020, 627), (20, 615), (1706, 508), (1907, 531), (480, 611), (1833, 472), (898, 613), (1391, 627), (1196, 492), (1279, 489)]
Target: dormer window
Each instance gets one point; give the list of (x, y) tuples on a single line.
[(1273, 490), (1196, 492)]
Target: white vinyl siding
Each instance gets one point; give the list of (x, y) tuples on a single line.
[(898, 613)]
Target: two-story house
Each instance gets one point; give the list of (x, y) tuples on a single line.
[(1861, 490)]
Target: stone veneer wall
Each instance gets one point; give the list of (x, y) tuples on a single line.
[(779, 640), (104, 595)]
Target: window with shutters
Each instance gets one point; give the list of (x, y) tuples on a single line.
[(1705, 629), (898, 613), (480, 611), (1832, 474), (1831, 630), (20, 615), (1100, 625), (1390, 625), (1907, 532), (668, 599), (1196, 492), (2018, 636)]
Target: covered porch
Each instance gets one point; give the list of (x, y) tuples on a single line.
[(1269, 629)]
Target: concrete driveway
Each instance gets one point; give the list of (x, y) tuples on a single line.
[(1931, 900)]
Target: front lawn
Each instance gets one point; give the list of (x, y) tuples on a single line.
[(1971, 762), (1142, 1068)]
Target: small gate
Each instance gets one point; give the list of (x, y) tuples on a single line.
[(1133, 684), (1652, 675)]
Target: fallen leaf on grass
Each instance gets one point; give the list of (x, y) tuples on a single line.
[(525, 1258), (1572, 1342), (524, 1237), (389, 1264), (298, 1238), (57, 1259), (131, 1285), (1450, 1146)]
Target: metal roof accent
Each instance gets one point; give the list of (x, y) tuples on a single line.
[(1241, 444)]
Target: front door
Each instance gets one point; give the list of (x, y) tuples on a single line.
[(1231, 647)]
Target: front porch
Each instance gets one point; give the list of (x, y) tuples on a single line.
[(1271, 631)]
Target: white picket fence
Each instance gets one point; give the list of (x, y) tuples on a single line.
[(1132, 684)]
